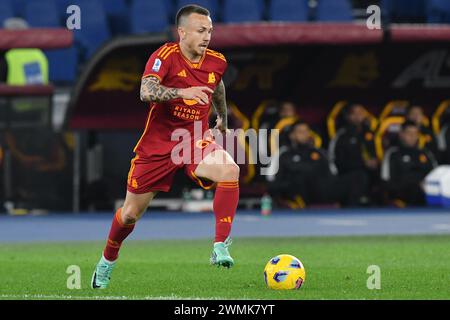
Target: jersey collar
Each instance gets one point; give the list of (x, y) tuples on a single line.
[(194, 65)]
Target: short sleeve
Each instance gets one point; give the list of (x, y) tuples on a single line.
[(156, 65), (222, 66)]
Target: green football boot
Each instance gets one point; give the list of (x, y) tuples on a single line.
[(220, 255), (102, 274)]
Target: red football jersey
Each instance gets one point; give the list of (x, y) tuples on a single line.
[(174, 70)]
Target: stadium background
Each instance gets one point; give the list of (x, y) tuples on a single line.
[(315, 53), (319, 54)]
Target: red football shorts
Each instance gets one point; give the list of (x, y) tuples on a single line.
[(157, 172)]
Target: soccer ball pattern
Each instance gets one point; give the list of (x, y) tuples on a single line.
[(284, 272)]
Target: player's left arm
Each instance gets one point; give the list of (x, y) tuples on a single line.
[(220, 106)]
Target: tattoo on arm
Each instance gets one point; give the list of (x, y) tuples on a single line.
[(219, 103), (153, 91)]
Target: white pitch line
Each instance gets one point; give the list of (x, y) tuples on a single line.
[(343, 222), (69, 297), (249, 218), (441, 226)]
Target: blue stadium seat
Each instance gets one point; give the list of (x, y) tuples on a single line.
[(18, 7), (115, 7), (403, 10), (438, 11), (63, 5), (211, 5), (288, 10), (62, 62), (170, 9), (62, 65), (242, 11), (148, 16), (94, 26), (42, 13), (334, 10), (118, 13), (6, 11)]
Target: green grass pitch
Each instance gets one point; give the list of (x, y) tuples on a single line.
[(412, 267)]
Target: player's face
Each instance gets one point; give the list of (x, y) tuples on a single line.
[(416, 115), (196, 33), (287, 110), (301, 134), (357, 115), (410, 136)]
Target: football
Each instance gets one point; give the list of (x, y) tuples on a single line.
[(284, 272)]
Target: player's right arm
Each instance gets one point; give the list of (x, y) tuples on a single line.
[(153, 91)]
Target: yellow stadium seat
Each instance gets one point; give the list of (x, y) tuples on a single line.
[(398, 108), (337, 111), (259, 112), (390, 126), (283, 124), (438, 115)]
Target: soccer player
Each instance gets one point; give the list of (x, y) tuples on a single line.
[(180, 82)]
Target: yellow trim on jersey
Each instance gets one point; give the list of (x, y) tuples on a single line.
[(146, 128), (168, 53), (199, 64), (194, 65), (215, 54), (153, 75), (165, 50), (131, 171)]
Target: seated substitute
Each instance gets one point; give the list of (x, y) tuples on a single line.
[(304, 171), (352, 150), (405, 167), (416, 114)]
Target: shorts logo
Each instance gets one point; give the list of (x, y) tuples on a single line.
[(157, 65), (203, 143)]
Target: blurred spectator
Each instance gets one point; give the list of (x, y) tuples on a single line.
[(304, 175), (23, 66), (443, 143), (287, 109), (272, 118), (277, 111), (416, 114), (41, 170), (352, 150), (405, 166)]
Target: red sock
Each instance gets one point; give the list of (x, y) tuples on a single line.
[(117, 234), (224, 206)]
